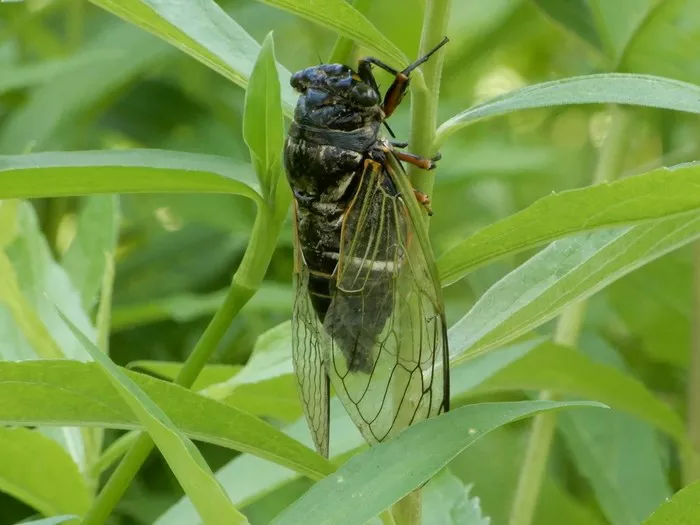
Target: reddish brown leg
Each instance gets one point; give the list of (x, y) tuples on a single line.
[(398, 88), (417, 160), (423, 200)]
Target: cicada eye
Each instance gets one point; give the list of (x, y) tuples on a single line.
[(299, 81), (364, 95)]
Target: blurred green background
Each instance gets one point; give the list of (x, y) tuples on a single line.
[(73, 77)]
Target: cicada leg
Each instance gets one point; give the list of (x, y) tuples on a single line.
[(394, 95), (423, 200), (417, 160)]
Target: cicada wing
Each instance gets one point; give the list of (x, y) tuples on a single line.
[(386, 324), (308, 357)]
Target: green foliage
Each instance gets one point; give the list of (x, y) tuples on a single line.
[(141, 168), (382, 475)]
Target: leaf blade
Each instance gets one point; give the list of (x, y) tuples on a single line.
[(607, 88), (380, 476)]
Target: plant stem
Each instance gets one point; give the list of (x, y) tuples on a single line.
[(243, 286), (691, 468), (566, 333), (343, 46), (424, 98), (424, 104)]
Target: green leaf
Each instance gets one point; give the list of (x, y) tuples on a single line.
[(608, 26), (266, 385), (446, 501), (495, 482), (263, 122), (204, 31), (613, 88), (43, 283), (55, 520), (654, 304), (344, 19), (567, 371), (61, 392), (247, 478), (185, 460), (606, 447), (60, 174), (34, 74), (657, 194), (265, 477), (387, 472), (564, 273), (22, 333), (95, 238), (574, 15), (37, 471), (665, 44), (619, 21), (681, 509), (57, 105)]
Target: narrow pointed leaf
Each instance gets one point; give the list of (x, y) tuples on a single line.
[(185, 460), (344, 19), (564, 273), (30, 466), (387, 472), (204, 31), (607, 88), (61, 392), (96, 236), (570, 372), (657, 194), (59, 174), (682, 509)]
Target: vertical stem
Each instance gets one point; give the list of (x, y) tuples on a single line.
[(424, 98), (424, 104), (566, 333), (691, 468)]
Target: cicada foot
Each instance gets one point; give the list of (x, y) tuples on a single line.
[(423, 200), (417, 160)]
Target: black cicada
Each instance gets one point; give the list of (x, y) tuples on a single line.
[(368, 313)]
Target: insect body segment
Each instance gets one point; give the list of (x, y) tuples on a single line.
[(368, 315)]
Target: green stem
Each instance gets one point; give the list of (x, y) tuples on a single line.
[(424, 95), (343, 46), (691, 467), (424, 105), (566, 333), (245, 282)]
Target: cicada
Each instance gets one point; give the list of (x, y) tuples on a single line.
[(368, 315)]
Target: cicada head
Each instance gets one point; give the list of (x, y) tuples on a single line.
[(333, 96)]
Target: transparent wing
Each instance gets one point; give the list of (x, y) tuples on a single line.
[(308, 357), (386, 322)]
